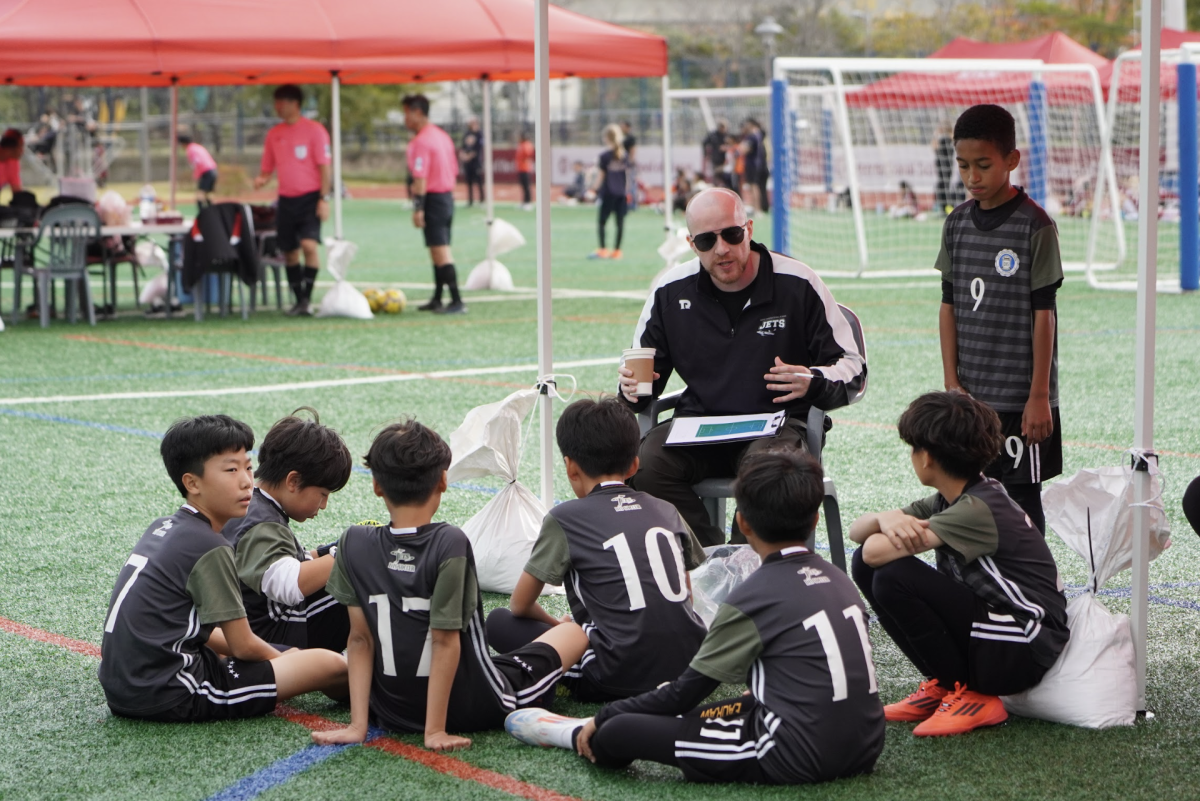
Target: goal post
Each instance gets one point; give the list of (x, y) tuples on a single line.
[(865, 176)]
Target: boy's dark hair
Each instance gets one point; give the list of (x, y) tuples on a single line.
[(314, 451), (11, 138), (962, 434), (601, 436), (192, 441), (289, 91), (989, 123), (779, 492), (407, 459), (417, 102), (184, 139)]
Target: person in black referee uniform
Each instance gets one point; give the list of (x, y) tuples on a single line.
[(177, 646), (751, 332), (795, 632), (623, 557), (470, 153), (991, 618)]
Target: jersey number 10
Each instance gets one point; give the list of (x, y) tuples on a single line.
[(658, 568)]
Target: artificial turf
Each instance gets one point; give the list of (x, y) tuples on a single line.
[(81, 478)]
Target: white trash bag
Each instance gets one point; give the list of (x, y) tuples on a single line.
[(1093, 683), (674, 250), (503, 237), (502, 533), (724, 568), (344, 299), (149, 256)]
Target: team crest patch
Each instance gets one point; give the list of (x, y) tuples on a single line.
[(625, 504), (767, 326), (1007, 263), (400, 561), (812, 576), (301, 152)]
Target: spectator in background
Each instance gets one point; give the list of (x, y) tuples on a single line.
[(630, 144), (908, 205), (204, 168), (12, 147), (469, 155), (945, 198), (525, 170), (46, 132), (611, 187), (714, 153), (754, 166), (577, 190)]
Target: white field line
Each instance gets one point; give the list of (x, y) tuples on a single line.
[(298, 385)]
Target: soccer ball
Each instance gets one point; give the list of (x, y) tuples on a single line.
[(374, 297), (394, 301)]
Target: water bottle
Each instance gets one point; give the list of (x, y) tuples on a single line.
[(147, 204)]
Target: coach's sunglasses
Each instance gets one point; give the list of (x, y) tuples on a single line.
[(732, 235)]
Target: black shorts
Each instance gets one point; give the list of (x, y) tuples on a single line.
[(1021, 463), (297, 220), (232, 689), (999, 667), (207, 181), (532, 670), (439, 215)]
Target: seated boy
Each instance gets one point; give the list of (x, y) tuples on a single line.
[(180, 582), (990, 619), (627, 554), (795, 631), (418, 653), (300, 463)]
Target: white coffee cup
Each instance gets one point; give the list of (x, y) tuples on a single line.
[(641, 362)]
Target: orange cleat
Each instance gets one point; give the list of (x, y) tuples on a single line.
[(962, 711), (599, 253), (616, 254), (918, 706)]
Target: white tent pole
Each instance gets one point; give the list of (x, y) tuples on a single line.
[(488, 178), (1143, 412), (335, 115), (144, 134), (668, 175), (172, 147), (542, 166)]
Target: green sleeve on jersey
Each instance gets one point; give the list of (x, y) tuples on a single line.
[(1047, 262), (693, 551), (730, 648), (454, 595), (339, 585), (943, 264), (551, 556), (968, 527), (259, 548), (922, 509), (213, 587)]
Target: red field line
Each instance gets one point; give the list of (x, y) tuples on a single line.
[(30, 633)]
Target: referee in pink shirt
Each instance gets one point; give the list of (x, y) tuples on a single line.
[(433, 165), (298, 149)]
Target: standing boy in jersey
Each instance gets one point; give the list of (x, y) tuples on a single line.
[(1001, 269), (298, 148), (283, 585), (418, 651), (163, 658), (433, 166), (795, 631), (991, 618), (623, 556), (204, 168)]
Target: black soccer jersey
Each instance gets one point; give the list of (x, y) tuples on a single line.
[(991, 546), (178, 582), (259, 540), (995, 259), (796, 632), (623, 556), (407, 582)]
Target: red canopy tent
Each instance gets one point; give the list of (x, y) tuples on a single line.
[(966, 88), (1131, 69), (211, 42)]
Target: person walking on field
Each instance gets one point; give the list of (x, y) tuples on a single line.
[(612, 188), (298, 148), (525, 155), (433, 165)]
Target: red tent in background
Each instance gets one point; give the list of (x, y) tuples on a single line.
[(917, 89), (1131, 71), (211, 42), (1173, 39)]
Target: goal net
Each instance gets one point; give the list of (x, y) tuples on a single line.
[(866, 162)]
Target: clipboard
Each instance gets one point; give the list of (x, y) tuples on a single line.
[(727, 428)]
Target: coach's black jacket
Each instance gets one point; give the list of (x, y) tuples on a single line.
[(791, 314)]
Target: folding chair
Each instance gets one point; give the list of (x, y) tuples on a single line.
[(63, 237)]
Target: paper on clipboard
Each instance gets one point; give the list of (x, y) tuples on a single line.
[(729, 428)]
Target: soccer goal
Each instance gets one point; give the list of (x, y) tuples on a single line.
[(695, 115), (864, 158)]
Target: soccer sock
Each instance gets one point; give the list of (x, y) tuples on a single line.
[(310, 281), (438, 282), (296, 281), (450, 279)]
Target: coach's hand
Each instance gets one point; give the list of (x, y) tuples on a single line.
[(629, 384), (1037, 423), (583, 742), (790, 378), (418, 219)]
